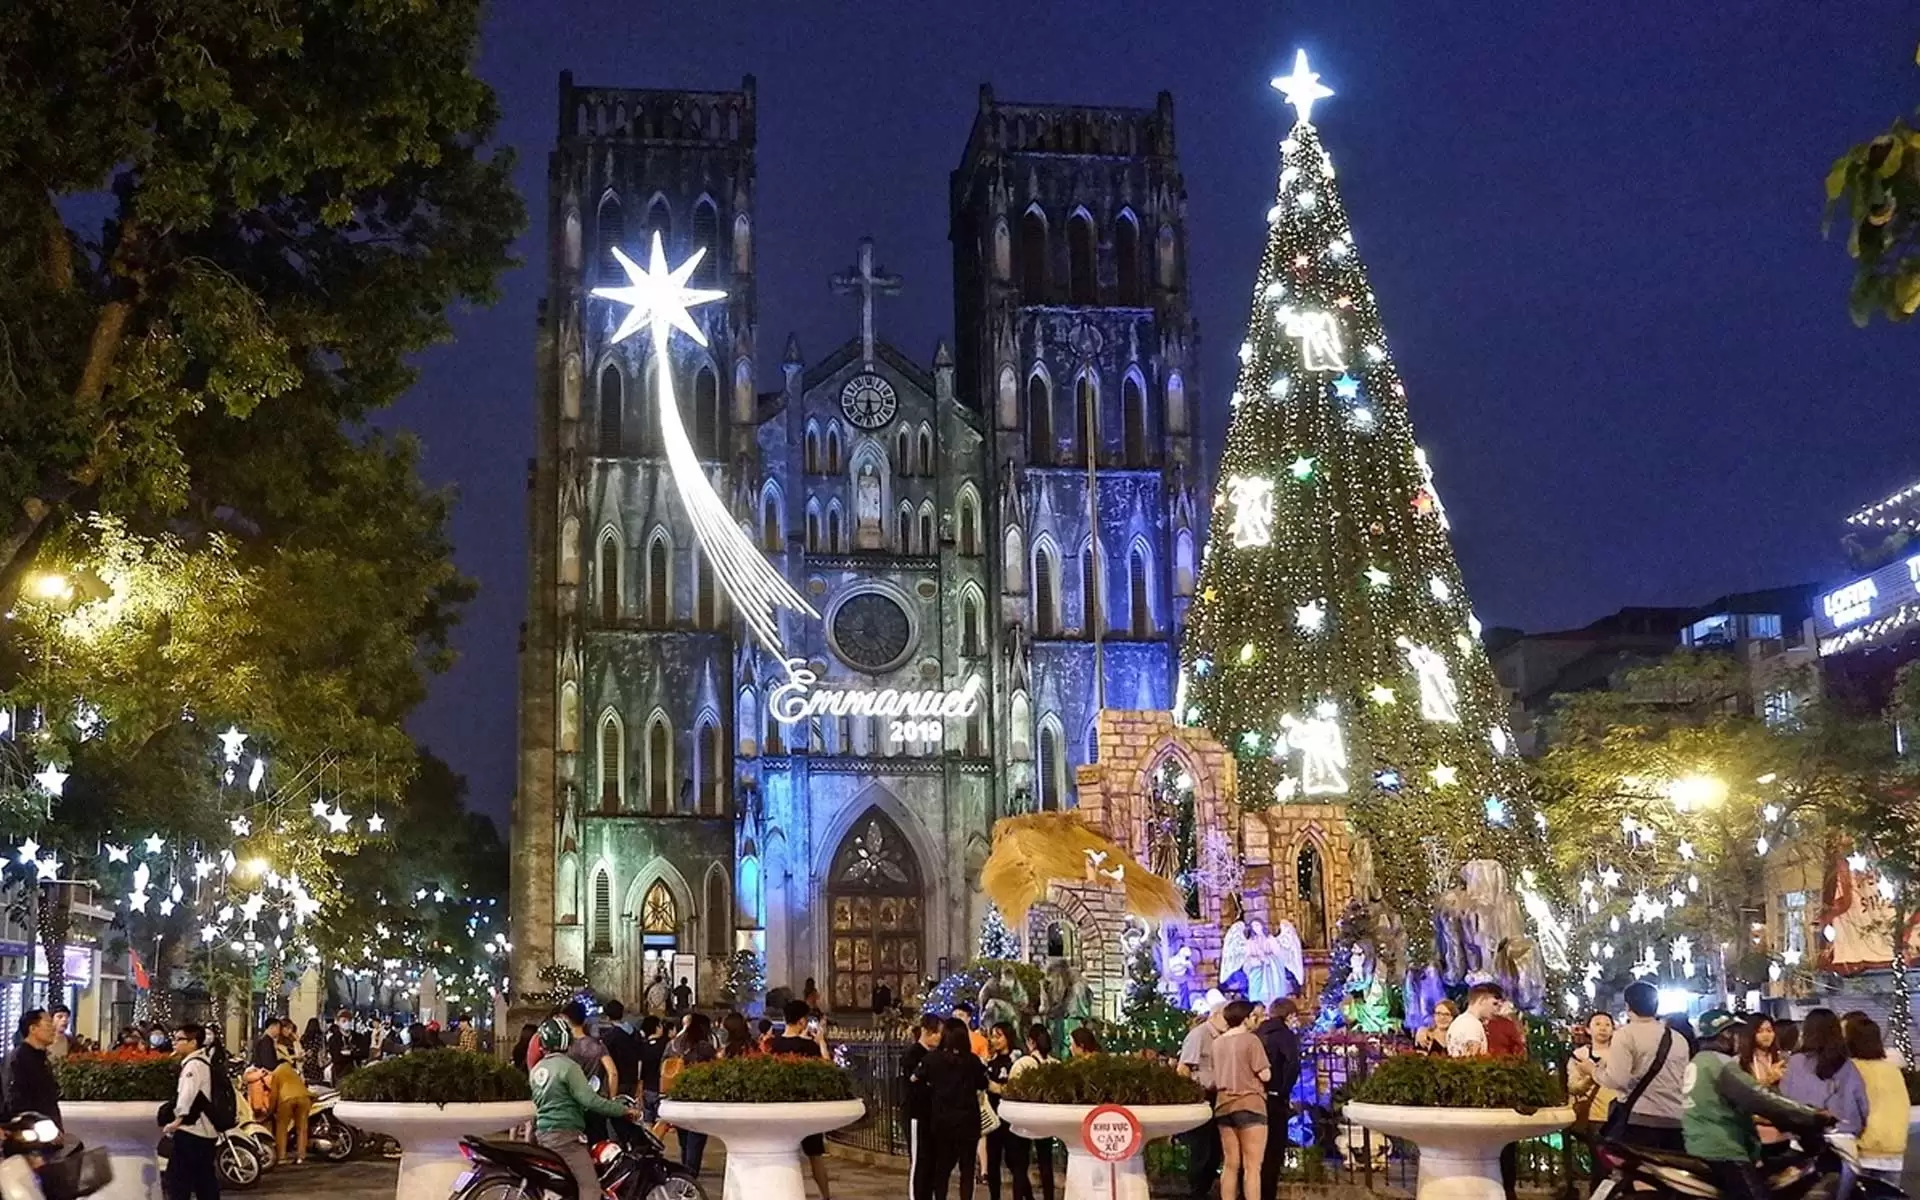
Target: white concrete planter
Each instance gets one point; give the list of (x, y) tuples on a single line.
[(128, 1132), (1459, 1147), (429, 1137), (1087, 1175), (762, 1140)]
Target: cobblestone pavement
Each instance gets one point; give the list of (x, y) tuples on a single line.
[(374, 1179)]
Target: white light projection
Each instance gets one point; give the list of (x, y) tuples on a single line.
[(1439, 698), (1322, 747), (1318, 334), (659, 300), (1252, 500)]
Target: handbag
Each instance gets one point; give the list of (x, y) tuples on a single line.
[(1616, 1126), (989, 1119)]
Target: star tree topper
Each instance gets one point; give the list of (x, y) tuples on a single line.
[(1302, 88)]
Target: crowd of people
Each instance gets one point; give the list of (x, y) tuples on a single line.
[(1247, 1057)]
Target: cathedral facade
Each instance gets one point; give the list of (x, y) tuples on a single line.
[(1001, 537)]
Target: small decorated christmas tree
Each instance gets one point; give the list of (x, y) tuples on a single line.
[(1332, 646)]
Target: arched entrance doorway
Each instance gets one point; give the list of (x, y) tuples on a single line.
[(659, 931), (874, 898)]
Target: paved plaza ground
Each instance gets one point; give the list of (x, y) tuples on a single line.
[(373, 1180)]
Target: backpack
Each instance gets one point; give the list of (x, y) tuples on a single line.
[(223, 1101)]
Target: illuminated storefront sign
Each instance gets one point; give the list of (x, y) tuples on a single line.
[(1869, 608)]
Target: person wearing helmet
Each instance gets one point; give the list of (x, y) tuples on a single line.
[(1719, 1104), (562, 1099)]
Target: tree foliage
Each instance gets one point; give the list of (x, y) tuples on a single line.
[(1875, 188)]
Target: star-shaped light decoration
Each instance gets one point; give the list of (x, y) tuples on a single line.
[(1609, 878), (1311, 616), (208, 933), (118, 854), (1444, 775), (53, 779), (241, 826), (230, 743), (1439, 588), (1381, 694), (1686, 850), (155, 843), (167, 907), (1856, 862), (251, 906), (1302, 88), (318, 808), (137, 901), (376, 824), (1346, 387), (29, 850), (48, 867), (203, 868), (1302, 467), (1378, 578), (338, 820)]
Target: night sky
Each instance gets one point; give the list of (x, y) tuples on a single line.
[(1594, 233)]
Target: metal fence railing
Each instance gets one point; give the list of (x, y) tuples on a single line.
[(875, 1067)]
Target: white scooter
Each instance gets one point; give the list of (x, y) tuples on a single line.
[(38, 1165)]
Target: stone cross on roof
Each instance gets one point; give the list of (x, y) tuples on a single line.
[(867, 280)]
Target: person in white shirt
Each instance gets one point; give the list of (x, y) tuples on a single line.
[(191, 1173), (1467, 1036)]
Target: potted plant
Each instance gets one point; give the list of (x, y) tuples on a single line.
[(1054, 1100), (1460, 1112), (111, 1101), (762, 1107), (427, 1101)]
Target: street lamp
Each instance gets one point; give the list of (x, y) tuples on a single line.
[(50, 587)]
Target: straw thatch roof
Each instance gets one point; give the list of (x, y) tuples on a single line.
[(1033, 852)]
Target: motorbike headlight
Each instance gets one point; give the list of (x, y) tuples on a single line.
[(606, 1152), (45, 1130)]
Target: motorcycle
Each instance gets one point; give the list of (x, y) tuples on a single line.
[(1815, 1166), (38, 1165), (633, 1165), (327, 1135)]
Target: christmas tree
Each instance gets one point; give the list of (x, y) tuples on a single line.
[(1332, 647)]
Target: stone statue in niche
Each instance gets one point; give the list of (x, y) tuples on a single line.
[(868, 530), (1480, 933)]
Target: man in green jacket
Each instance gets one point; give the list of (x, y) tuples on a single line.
[(1721, 1101), (562, 1098)]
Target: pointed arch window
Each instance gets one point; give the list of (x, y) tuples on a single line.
[(1009, 408), (903, 526), (1140, 608), (612, 775), (1133, 405), (874, 914), (659, 583), (1002, 250), (833, 448), (709, 767), (925, 454), (706, 594), (1046, 599), (1092, 589), (774, 740), (660, 221), (659, 766), (570, 550), (612, 417), (746, 716), (1176, 403), (650, 407), (742, 245), (903, 452), (569, 717), (1164, 250), (602, 927), (718, 915), (770, 537), (1086, 418), (659, 912), (609, 577), (929, 529), (812, 458), (834, 545), (611, 228), (969, 524), (1020, 725), (1093, 741), (706, 236), (1082, 268), (813, 526), (977, 733), (1040, 449), (1014, 566), (1126, 260), (706, 414), (1051, 772), (1310, 877), (1183, 563), (1033, 257), (970, 626)]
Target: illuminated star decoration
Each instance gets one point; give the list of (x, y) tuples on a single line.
[(154, 843), (1378, 578), (1609, 878), (1444, 775), (1302, 467), (230, 743), (338, 820), (1381, 694), (1302, 88), (53, 779), (48, 867), (1311, 616), (1856, 862), (659, 300), (29, 850), (1347, 387), (241, 826), (376, 823), (118, 854), (250, 908)]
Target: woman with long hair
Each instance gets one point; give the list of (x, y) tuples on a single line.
[(1021, 1151), (692, 1047), (738, 1040), (523, 1047), (955, 1079), (313, 1052), (1760, 1054), (1002, 1049), (1883, 1139), (1820, 1075)]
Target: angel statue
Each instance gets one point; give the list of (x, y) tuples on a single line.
[(1233, 958), (1265, 982), (1291, 957)]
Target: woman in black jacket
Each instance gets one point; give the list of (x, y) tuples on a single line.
[(955, 1080)]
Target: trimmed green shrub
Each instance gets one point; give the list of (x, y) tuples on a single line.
[(762, 1079), (1425, 1081), (1104, 1079), (436, 1077), (120, 1075)]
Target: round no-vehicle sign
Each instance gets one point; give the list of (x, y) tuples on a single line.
[(1111, 1133)]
